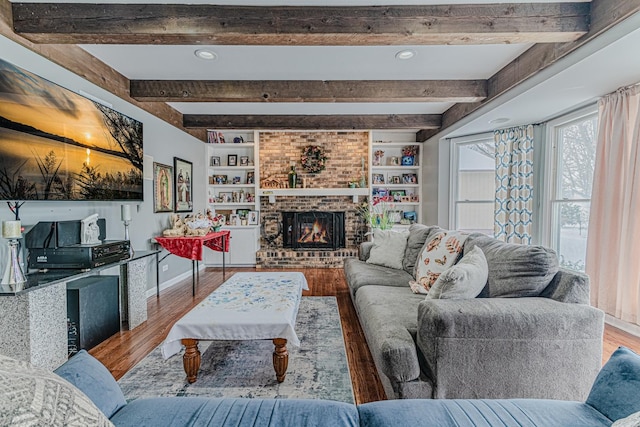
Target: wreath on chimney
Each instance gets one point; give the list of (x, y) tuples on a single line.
[(313, 158)]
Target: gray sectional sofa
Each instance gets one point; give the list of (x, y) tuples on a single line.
[(530, 333), (91, 397)]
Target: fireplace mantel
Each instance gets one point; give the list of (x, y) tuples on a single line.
[(311, 192)]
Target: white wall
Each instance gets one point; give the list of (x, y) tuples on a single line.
[(162, 141)]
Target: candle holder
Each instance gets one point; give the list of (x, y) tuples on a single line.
[(125, 215), (13, 275)]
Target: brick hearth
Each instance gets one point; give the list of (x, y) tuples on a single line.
[(345, 152)]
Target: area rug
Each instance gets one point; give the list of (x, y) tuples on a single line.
[(317, 369)]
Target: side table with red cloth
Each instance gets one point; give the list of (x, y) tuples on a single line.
[(190, 247)]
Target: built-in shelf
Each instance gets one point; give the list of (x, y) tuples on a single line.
[(273, 192)]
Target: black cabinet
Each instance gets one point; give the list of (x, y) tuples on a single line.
[(93, 313)]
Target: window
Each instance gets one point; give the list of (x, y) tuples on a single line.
[(571, 159), (473, 184)]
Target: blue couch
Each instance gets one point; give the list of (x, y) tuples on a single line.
[(615, 394)]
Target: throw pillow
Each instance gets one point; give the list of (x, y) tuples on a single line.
[(632, 420), (93, 379), (439, 252), (31, 396), (418, 234), (465, 280), (388, 248)]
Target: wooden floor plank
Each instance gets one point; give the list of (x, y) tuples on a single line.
[(126, 348)]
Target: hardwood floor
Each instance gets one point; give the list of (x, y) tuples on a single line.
[(122, 351)]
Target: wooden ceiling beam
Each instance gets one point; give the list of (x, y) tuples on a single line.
[(88, 23), (309, 90), (605, 14), (328, 122), (80, 62)]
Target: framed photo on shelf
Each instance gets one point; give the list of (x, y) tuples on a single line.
[(409, 178), (232, 160), (162, 188), (220, 179), (183, 173), (411, 216), (234, 219), (214, 161), (251, 177), (225, 212), (397, 194), (393, 179), (254, 217), (244, 160), (226, 196), (377, 178), (236, 180), (242, 213)]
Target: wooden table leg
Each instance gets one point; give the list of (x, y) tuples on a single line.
[(280, 358), (191, 359)]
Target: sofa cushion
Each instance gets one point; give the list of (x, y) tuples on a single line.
[(93, 379), (440, 251), (418, 234), (388, 318), (388, 248), (632, 420), (616, 390), (515, 270), (31, 396), (479, 413), (466, 279), (199, 411), (360, 274)]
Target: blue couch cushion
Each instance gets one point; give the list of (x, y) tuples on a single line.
[(93, 379), (616, 390), (479, 413), (198, 411)]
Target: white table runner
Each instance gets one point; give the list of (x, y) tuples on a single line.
[(248, 306)]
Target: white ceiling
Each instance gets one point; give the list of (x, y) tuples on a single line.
[(571, 82)]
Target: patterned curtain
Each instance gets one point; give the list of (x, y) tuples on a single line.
[(514, 184)]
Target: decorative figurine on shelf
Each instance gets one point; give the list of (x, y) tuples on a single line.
[(377, 157), (90, 232)]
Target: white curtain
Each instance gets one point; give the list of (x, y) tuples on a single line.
[(514, 184), (613, 245)]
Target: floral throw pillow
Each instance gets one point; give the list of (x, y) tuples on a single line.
[(438, 254)]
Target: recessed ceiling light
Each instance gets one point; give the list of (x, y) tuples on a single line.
[(205, 54), (405, 54), (499, 120)]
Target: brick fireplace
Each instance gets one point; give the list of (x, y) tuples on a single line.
[(313, 230), (346, 153)]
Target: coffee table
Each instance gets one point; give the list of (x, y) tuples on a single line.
[(248, 306)]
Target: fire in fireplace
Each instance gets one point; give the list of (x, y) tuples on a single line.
[(313, 230)]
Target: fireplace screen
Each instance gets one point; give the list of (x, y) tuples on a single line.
[(313, 230)]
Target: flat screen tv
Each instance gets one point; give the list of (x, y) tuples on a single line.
[(58, 145)]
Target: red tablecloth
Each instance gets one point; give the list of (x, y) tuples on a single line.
[(190, 247)]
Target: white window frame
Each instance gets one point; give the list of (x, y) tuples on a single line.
[(454, 173), (551, 182)]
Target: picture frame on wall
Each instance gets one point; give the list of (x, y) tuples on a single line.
[(183, 176), (162, 188), (232, 160)]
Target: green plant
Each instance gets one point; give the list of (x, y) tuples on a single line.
[(376, 215)]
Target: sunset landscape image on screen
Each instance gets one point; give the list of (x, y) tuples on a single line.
[(57, 145)]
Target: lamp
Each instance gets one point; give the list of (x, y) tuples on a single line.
[(13, 275), (125, 215)]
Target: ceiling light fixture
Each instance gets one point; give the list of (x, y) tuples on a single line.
[(405, 54), (205, 54), (499, 120)]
